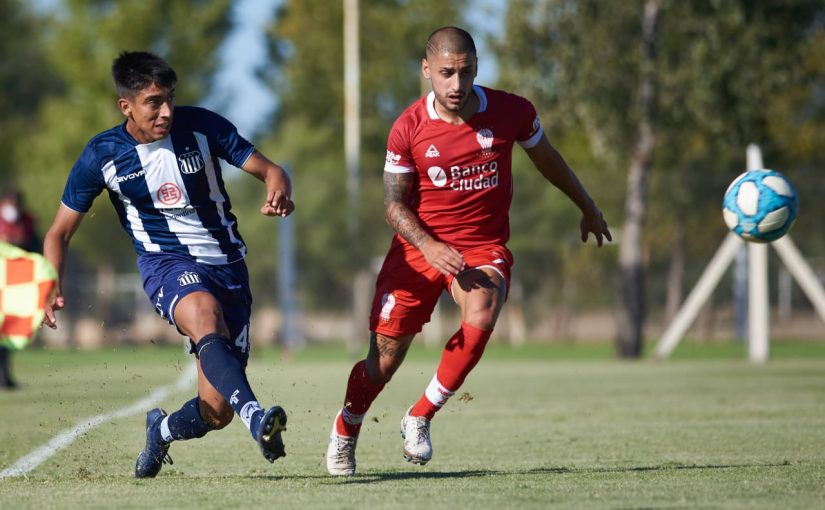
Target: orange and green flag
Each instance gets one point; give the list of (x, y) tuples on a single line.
[(27, 282)]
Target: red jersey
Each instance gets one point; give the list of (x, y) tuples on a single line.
[(465, 182)]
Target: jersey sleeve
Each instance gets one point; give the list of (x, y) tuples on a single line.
[(224, 138), (528, 130), (399, 148), (85, 181)]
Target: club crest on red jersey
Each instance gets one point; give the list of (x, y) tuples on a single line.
[(484, 136)]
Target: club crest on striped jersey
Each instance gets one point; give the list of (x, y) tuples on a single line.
[(188, 278), (190, 162)]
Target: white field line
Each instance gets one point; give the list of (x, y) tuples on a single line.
[(29, 462)]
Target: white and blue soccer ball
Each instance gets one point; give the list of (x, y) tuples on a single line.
[(760, 205)]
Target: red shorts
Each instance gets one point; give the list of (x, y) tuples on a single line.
[(408, 288)]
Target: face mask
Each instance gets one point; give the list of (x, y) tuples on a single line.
[(9, 213)]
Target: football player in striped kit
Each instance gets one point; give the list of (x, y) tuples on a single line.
[(447, 193), (160, 169)]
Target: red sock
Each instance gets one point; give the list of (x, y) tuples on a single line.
[(360, 394), (460, 355)]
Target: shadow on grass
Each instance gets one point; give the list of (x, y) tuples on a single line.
[(373, 477)]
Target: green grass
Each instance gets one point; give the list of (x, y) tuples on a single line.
[(543, 426)]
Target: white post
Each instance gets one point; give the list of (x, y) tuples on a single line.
[(698, 296), (352, 102), (352, 154), (758, 307), (802, 272)]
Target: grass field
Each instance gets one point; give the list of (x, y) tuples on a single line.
[(539, 427)]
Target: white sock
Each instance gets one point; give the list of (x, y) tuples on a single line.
[(164, 430), (248, 411), (437, 393)]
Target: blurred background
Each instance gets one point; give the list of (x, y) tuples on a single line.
[(653, 104)]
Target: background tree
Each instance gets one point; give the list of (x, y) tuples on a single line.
[(24, 79)]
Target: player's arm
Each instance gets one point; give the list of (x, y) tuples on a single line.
[(278, 185), (552, 166), (398, 192), (55, 247)]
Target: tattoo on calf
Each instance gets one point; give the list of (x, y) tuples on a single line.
[(386, 348)]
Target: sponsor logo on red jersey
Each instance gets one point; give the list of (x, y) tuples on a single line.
[(470, 178), (437, 175), (393, 158), (474, 177)]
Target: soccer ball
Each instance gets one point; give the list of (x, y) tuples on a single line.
[(760, 205)]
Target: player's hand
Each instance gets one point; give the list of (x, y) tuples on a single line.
[(277, 203), (442, 257), (594, 223), (50, 319)]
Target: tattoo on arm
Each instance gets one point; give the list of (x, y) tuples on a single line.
[(398, 190)]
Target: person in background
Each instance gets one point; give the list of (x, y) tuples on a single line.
[(16, 224), (16, 229)]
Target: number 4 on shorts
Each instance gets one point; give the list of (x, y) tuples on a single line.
[(242, 340)]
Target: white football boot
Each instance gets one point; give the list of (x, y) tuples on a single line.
[(415, 430), (340, 452)]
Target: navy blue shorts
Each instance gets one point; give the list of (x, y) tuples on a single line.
[(168, 277)]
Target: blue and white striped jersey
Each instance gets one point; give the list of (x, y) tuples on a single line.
[(169, 194)]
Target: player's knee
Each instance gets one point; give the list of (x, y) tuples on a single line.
[(481, 318), (200, 314), (209, 315)]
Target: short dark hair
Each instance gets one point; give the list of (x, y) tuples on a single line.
[(450, 40), (133, 71)]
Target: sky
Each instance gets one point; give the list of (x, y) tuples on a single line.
[(242, 52)]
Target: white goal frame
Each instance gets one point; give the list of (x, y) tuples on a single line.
[(758, 303)]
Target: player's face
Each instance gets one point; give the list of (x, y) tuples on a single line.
[(149, 113), (451, 75)]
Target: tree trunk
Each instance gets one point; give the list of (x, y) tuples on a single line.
[(675, 273), (632, 307)]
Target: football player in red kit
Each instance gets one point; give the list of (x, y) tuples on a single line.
[(447, 192)]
